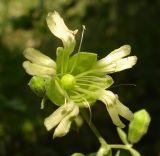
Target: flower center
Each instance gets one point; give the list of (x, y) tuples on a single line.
[(68, 81)]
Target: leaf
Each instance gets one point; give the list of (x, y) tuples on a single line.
[(122, 135), (81, 62)]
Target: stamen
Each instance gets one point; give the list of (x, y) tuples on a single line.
[(84, 28), (75, 62), (91, 77), (86, 73), (86, 103), (90, 93), (87, 85), (78, 100), (124, 84), (87, 81)]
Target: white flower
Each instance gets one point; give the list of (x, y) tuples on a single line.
[(77, 81), (59, 29), (115, 61)]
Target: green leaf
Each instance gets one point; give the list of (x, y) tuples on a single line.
[(55, 93), (81, 62), (122, 135)]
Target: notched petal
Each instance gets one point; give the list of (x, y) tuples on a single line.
[(115, 108), (114, 116), (120, 65), (38, 70), (37, 57), (125, 63), (115, 61), (56, 117), (116, 55), (124, 111), (64, 126)]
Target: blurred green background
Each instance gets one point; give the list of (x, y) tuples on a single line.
[(110, 24)]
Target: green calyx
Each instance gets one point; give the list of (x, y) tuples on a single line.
[(68, 81)]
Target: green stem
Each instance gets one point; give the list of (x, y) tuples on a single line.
[(126, 147), (94, 129)]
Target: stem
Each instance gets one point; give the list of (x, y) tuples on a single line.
[(126, 147), (94, 129)]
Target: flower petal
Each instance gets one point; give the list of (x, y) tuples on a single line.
[(64, 126), (120, 65), (37, 57), (109, 100), (55, 118), (38, 70), (114, 116), (124, 111), (60, 30), (115, 55)]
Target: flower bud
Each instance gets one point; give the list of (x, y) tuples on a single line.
[(138, 126), (37, 85)]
